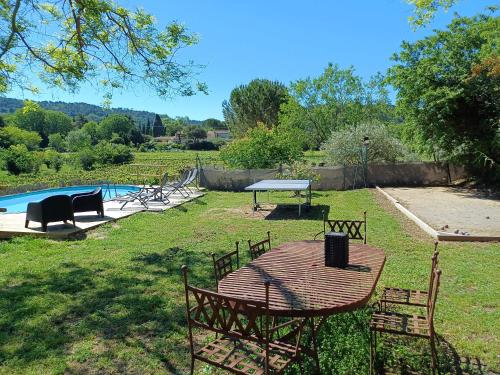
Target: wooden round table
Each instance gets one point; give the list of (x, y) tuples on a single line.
[(301, 284)]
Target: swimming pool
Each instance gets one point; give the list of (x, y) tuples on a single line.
[(19, 202)]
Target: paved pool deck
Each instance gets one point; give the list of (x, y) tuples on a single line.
[(12, 225)]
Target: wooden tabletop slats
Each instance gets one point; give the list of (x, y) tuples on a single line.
[(301, 284)]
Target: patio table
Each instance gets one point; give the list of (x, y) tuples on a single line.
[(302, 286)]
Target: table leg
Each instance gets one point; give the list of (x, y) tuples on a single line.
[(310, 195), (300, 203), (255, 200), (315, 344)]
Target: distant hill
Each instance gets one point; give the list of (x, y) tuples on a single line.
[(90, 111)]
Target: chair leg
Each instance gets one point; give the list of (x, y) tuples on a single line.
[(372, 354), (44, 227), (74, 225), (192, 365), (26, 223), (434, 360)]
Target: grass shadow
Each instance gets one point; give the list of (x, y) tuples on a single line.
[(291, 212)]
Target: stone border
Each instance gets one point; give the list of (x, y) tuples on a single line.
[(438, 235)]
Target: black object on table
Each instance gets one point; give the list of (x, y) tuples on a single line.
[(336, 249)]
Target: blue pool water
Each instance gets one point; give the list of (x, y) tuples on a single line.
[(19, 202)]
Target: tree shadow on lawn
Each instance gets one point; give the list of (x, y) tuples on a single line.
[(44, 316)]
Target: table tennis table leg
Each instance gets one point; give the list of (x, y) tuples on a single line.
[(255, 200)]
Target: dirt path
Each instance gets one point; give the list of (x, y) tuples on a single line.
[(459, 209)]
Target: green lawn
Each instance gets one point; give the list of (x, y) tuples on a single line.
[(113, 302)]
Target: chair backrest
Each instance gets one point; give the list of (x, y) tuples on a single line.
[(232, 317), (259, 248), (56, 207), (434, 264), (164, 180), (223, 266), (431, 306), (192, 177), (355, 229)]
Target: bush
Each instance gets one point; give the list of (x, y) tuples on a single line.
[(147, 147), (168, 146), (12, 135), (202, 146), (18, 159), (56, 141), (344, 147), (110, 153), (53, 159), (86, 158), (77, 140), (262, 148)]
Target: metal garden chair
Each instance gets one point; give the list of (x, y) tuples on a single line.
[(223, 265), (355, 229), (242, 346), (259, 248), (413, 325), (410, 297)]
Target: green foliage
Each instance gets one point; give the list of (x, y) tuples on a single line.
[(344, 147), (115, 124), (52, 159), (18, 159), (298, 170), (77, 140), (32, 117), (91, 128), (447, 91), (2, 122), (425, 9), (92, 41), (136, 137), (57, 142), (257, 102), (214, 124), (86, 158), (203, 145), (194, 133), (261, 148), (336, 99), (12, 135), (109, 153)]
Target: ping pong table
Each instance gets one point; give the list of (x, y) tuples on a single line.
[(281, 185)]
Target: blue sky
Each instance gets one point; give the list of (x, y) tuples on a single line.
[(280, 40)]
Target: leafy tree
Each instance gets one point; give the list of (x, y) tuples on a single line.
[(80, 120), (118, 124), (212, 123), (136, 137), (448, 92), (257, 102), (92, 129), (262, 148), (32, 117), (337, 98), (425, 9), (2, 122), (57, 122), (12, 135), (195, 133), (173, 126), (97, 41), (18, 159), (344, 146), (158, 128), (77, 140), (57, 142)]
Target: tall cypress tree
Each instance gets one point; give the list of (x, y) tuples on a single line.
[(158, 128)]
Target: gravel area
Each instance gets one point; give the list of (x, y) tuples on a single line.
[(448, 209)]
